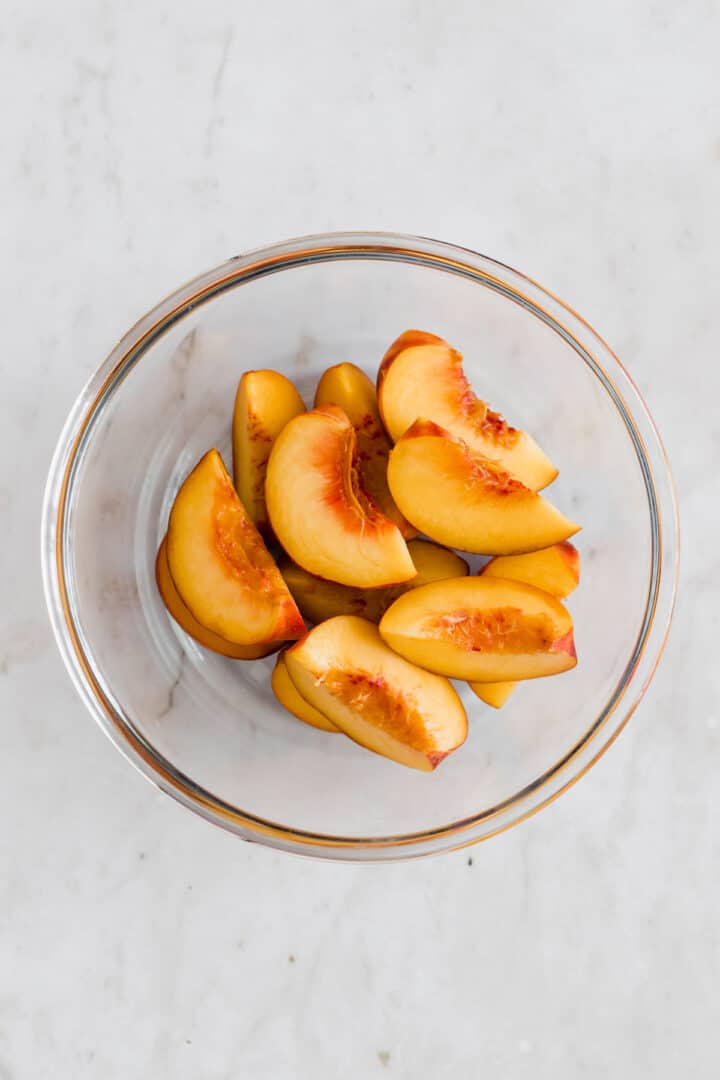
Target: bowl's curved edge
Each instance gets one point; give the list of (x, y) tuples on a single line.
[(129, 349)]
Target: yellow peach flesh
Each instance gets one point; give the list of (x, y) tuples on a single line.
[(264, 403), (493, 694), (284, 690), (346, 386), (555, 569), (422, 376), (319, 512), (482, 630), (187, 621), (477, 506), (344, 669), (319, 599), (220, 566)]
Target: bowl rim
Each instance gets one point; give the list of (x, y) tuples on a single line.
[(515, 286)]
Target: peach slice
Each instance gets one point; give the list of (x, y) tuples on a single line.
[(422, 376), (350, 388), (346, 672), (481, 629), (284, 690), (221, 568), (319, 599), (187, 621), (493, 693), (320, 513), (555, 569), (434, 562), (464, 501), (264, 403)]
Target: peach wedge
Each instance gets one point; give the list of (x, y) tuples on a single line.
[(187, 621), (350, 388), (319, 599), (476, 505), (494, 694), (481, 629), (320, 513), (264, 403), (284, 690), (422, 376), (555, 569), (346, 672), (220, 565)]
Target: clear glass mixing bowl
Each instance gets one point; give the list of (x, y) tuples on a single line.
[(207, 730)]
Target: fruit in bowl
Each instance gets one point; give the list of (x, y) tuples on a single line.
[(291, 699), (320, 513), (366, 503), (207, 730), (481, 629), (555, 569), (186, 620), (421, 376), (346, 386), (220, 566), (345, 670), (320, 599), (264, 403), (483, 508)]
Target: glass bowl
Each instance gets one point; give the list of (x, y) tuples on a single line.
[(208, 730)]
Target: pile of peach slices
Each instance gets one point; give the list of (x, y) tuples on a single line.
[(340, 494)]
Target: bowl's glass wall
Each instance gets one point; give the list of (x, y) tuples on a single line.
[(216, 720)]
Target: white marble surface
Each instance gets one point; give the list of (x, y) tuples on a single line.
[(144, 141)]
